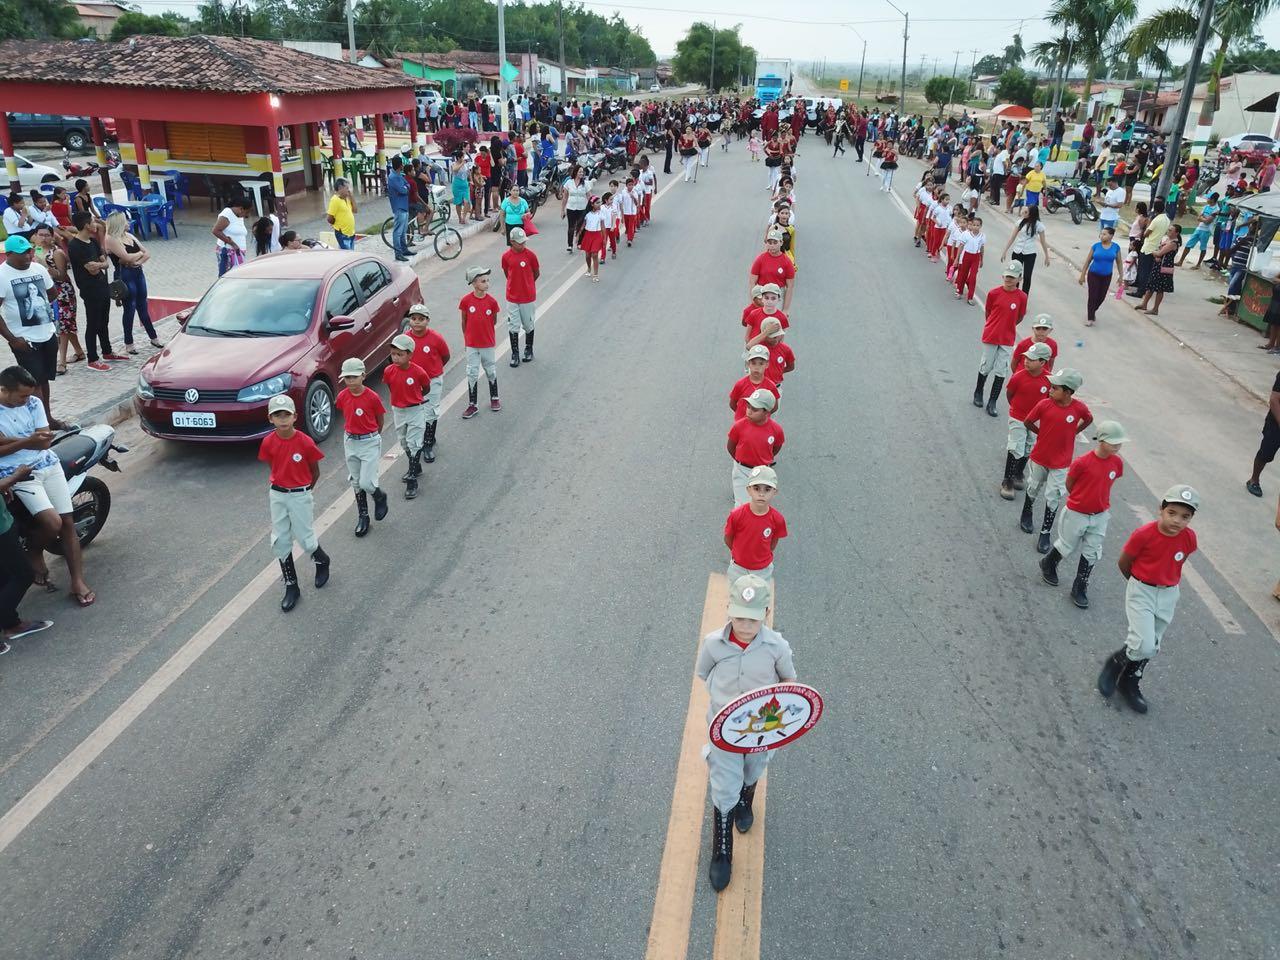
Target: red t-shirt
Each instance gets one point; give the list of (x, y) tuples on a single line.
[(485, 163), (430, 352), (735, 641), (781, 360), (360, 414), (1020, 353), (1058, 426), (61, 213), (479, 314), (1025, 391), (519, 266), (522, 158), (406, 385), (747, 310), (1158, 559), (1005, 310), (290, 459), (768, 268), (755, 317), (754, 538), (1090, 478), (744, 388), (756, 444)]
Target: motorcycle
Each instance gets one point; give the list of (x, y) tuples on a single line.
[(1070, 195), (535, 194), (655, 143), (91, 167), (1087, 206), (615, 158), (79, 450)]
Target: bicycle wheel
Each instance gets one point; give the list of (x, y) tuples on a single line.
[(448, 243), (388, 227)]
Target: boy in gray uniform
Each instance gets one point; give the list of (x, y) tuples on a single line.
[(742, 655), (363, 413)]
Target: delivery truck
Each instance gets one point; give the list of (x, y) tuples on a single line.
[(773, 78)]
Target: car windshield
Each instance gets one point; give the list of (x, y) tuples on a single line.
[(769, 82), (243, 307)]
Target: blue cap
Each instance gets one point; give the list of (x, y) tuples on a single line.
[(17, 245)]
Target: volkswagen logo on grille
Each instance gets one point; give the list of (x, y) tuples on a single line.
[(192, 395)]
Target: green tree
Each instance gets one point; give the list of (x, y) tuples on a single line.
[(40, 20), (1014, 53), (990, 65), (1178, 24), (941, 90), (168, 24), (692, 62), (1016, 86), (1093, 27)]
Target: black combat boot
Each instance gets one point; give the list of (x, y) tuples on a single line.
[(1020, 477), (322, 567), (415, 469), (996, 384), (1080, 588), (1010, 467), (1112, 668), (429, 443), (379, 504), (977, 391), (1042, 545), (472, 409), (1024, 523), (362, 513), (515, 349), (1049, 568), (528, 345), (291, 591), (743, 815), (721, 867), (1128, 684), (494, 403)]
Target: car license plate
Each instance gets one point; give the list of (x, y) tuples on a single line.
[(206, 420)]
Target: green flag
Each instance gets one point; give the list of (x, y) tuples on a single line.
[(510, 72)]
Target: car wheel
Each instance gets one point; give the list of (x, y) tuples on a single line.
[(317, 407), (75, 140), (50, 178)]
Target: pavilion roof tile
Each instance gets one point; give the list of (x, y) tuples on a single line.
[(220, 64)]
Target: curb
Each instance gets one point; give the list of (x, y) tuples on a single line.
[(1248, 388)]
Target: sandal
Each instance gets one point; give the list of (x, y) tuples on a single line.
[(62, 369), (77, 358), (85, 599), (45, 583)]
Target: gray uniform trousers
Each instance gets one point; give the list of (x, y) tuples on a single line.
[(292, 518), (1084, 531), (362, 460), (1149, 610), (410, 424)]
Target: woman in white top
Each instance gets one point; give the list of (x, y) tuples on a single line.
[(266, 235), (573, 205), (231, 234), (1023, 243)]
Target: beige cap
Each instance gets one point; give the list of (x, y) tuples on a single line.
[(1043, 321), (758, 352), (762, 477), (773, 235), (1179, 493), (1067, 377), (771, 288), (748, 597), (760, 399), (419, 309), (473, 272), (517, 235), (281, 401), (755, 291), (352, 367), (1013, 269), (402, 341), (772, 327), (1110, 431), (1038, 351)]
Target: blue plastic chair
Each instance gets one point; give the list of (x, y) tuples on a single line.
[(132, 186), (103, 206), (161, 215), (179, 187)]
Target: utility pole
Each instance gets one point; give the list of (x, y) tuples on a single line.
[(503, 119), (951, 91), (973, 68), (351, 28), (564, 90), (861, 68), (1184, 102), (711, 85)]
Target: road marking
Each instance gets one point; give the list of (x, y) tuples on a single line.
[(18, 817), (1216, 607), (737, 935)]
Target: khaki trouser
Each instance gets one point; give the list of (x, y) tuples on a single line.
[(362, 461), (1149, 610), (292, 518), (410, 424), (478, 357), (1020, 439), (1083, 532), (735, 571), (1052, 483), (431, 400), (730, 772), (738, 480), (996, 358), (520, 315)]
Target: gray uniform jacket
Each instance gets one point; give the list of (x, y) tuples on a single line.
[(730, 671)]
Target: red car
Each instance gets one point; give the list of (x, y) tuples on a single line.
[(277, 324)]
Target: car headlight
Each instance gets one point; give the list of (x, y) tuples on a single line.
[(266, 389), (144, 388)]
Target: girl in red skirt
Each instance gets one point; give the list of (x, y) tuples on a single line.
[(591, 238)]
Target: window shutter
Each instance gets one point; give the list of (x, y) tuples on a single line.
[(219, 143)]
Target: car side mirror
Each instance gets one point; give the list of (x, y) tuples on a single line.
[(339, 323), (183, 317)]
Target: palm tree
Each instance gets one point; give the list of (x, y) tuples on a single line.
[(1093, 25), (1231, 19)]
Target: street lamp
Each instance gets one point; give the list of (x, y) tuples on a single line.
[(863, 65), (906, 26)]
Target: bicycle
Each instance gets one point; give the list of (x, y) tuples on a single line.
[(446, 240)]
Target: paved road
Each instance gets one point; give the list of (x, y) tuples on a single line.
[(466, 745)]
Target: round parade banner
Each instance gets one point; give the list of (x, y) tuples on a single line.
[(766, 718)]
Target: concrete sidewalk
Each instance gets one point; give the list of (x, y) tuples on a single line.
[(1187, 315)]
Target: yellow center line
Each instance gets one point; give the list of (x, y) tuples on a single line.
[(738, 909)]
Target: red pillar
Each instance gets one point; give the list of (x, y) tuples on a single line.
[(379, 151), (6, 148), (99, 136), (413, 132), (140, 153), (277, 173), (335, 142)]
